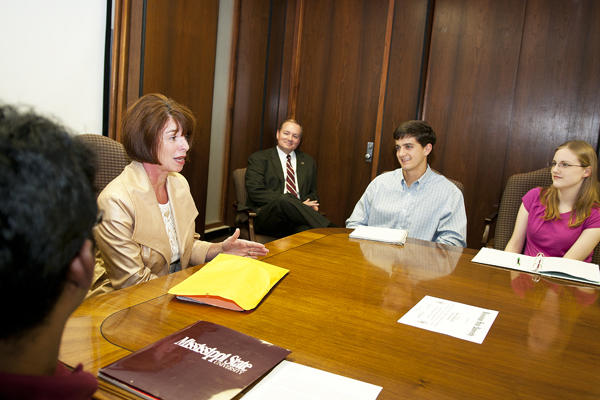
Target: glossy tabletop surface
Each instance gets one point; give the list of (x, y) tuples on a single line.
[(337, 310)]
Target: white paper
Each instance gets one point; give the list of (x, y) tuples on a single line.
[(451, 318), (291, 381), (386, 235)]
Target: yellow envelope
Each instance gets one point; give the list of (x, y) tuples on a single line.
[(233, 282)]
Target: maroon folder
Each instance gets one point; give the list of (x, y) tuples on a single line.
[(201, 361)]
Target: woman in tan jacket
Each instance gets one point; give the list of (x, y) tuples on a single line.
[(147, 228)]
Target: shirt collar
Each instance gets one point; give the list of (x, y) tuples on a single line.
[(283, 156), (419, 182)]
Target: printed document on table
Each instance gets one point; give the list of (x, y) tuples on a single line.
[(451, 318), (291, 381)]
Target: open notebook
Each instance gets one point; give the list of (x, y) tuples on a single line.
[(555, 267)]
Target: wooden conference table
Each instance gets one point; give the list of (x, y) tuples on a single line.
[(337, 310)]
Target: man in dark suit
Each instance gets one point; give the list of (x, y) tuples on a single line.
[(282, 186)]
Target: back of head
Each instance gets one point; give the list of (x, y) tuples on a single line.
[(420, 130), (144, 121), (47, 211)]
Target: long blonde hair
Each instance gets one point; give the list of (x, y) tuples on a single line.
[(587, 198)]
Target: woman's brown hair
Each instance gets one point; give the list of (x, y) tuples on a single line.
[(144, 121), (588, 193)]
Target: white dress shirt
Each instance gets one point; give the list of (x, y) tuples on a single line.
[(283, 159)]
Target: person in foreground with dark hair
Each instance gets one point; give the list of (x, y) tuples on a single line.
[(47, 211), (149, 213), (414, 197), (562, 220)]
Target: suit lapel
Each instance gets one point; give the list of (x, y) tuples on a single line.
[(149, 227), (276, 163), (301, 174)]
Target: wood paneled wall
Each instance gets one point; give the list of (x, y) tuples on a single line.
[(502, 84), (171, 50), (179, 62), (507, 83), (557, 90), (406, 74), (469, 96)]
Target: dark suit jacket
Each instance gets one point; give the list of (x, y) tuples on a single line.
[(265, 180)]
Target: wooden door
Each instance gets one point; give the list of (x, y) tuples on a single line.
[(340, 67)]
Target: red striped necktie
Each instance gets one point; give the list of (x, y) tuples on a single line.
[(290, 181)]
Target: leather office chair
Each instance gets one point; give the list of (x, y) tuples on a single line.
[(112, 158), (516, 187), (245, 219)]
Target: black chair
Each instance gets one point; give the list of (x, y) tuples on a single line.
[(245, 219)]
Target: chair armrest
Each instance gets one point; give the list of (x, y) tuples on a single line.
[(245, 218), (489, 220)]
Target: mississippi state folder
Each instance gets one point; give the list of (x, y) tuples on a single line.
[(201, 361)]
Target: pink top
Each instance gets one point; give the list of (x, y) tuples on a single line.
[(552, 238)]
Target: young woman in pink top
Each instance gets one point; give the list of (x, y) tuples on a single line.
[(562, 220)]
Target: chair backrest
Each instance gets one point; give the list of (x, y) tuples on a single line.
[(241, 219), (111, 161), (458, 184), (516, 187), (239, 183)]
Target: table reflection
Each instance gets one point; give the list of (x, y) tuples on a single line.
[(406, 266), (555, 310), (416, 264)]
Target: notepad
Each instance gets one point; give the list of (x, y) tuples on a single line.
[(385, 235)]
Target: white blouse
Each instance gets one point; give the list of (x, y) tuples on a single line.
[(167, 214)]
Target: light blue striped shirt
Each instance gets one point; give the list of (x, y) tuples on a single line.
[(432, 208)]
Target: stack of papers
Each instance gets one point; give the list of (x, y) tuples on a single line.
[(385, 235)]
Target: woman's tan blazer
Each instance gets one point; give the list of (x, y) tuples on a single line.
[(132, 242)]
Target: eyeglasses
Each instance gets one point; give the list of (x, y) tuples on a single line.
[(563, 165)]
